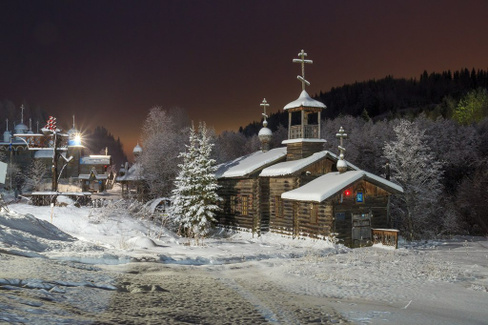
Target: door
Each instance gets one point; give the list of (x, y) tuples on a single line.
[(361, 229)]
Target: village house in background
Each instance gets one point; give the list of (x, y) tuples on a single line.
[(301, 189), (21, 147), (131, 178)]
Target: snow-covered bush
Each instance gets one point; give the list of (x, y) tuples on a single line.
[(114, 208)]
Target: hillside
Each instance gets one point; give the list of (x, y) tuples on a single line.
[(435, 94)]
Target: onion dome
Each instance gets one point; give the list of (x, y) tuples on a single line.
[(341, 163), (6, 136), (137, 150), (21, 128), (265, 134)]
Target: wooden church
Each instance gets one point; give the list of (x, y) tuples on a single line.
[(301, 190)]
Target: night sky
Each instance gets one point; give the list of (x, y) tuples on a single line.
[(109, 62)]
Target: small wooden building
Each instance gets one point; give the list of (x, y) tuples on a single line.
[(132, 181), (93, 182), (348, 204)]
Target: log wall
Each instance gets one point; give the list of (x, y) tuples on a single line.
[(240, 191)]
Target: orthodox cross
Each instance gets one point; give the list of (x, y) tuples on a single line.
[(302, 61), (264, 104), (341, 135), (73, 121)]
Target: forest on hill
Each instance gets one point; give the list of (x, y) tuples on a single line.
[(434, 94)]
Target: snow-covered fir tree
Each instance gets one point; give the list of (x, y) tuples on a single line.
[(415, 168), (194, 199)]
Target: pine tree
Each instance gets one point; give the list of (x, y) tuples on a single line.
[(415, 168), (194, 199)]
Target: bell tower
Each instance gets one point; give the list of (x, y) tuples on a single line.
[(303, 120)]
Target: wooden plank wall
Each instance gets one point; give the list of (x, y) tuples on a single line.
[(301, 150)]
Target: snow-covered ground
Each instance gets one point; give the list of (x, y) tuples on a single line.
[(251, 279)]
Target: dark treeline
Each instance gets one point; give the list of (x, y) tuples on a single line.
[(100, 140), (13, 113), (434, 94)]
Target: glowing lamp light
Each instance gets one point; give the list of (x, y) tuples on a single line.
[(75, 141), (347, 192)]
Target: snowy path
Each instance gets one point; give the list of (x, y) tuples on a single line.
[(137, 272)]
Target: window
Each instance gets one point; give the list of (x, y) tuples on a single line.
[(278, 207), (244, 205), (314, 213)]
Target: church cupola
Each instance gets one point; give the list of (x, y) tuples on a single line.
[(74, 137), (303, 120), (341, 163), (265, 134), (21, 128), (137, 150), (7, 135)]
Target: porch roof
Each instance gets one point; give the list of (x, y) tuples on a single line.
[(325, 186)]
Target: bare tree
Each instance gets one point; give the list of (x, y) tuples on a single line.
[(164, 136), (415, 168)]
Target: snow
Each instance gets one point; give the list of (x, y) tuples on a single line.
[(134, 174), (306, 101), (330, 184), (95, 160), (46, 153), (265, 131), (428, 282), (299, 140), (245, 165), (290, 167)]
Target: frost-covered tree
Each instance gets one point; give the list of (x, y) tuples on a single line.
[(164, 135), (194, 199), (414, 167), (36, 173)]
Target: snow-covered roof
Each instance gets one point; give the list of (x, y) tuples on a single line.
[(46, 153), (95, 160), (97, 176), (245, 165), (306, 101), (325, 186), (290, 167), (133, 174)]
